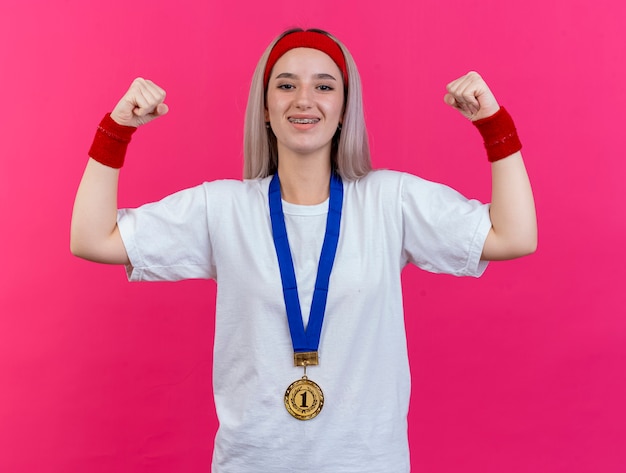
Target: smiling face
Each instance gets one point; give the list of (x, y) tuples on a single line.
[(305, 103)]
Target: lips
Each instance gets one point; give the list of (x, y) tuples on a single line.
[(303, 121)]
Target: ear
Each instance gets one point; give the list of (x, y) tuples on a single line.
[(266, 114)]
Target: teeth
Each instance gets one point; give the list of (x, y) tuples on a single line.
[(303, 121)]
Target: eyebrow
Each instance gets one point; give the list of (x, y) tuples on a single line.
[(289, 75)]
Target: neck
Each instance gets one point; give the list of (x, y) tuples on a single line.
[(304, 183)]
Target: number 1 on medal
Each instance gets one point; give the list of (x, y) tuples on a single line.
[(303, 405)]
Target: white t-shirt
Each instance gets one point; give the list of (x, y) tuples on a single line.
[(222, 230)]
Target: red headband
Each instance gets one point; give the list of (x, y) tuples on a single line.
[(306, 39)]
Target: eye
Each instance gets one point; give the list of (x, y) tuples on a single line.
[(325, 88), (285, 86)]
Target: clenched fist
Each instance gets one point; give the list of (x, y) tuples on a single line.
[(142, 103), (470, 95)]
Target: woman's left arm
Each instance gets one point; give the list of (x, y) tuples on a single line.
[(513, 219)]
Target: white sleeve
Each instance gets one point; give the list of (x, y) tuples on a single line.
[(169, 240), (443, 231)]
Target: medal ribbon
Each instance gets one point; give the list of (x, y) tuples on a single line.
[(309, 340)]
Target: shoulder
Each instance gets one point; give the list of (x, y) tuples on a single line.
[(407, 190), (235, 189), (380, 177), (210, 196), (377, 179), (384, 182), (233, 185)]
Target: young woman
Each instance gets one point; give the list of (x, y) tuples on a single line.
[(310, 368)]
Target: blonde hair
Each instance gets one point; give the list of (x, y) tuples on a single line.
[(350, 153)]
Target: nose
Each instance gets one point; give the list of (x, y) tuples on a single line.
[(303, 98)]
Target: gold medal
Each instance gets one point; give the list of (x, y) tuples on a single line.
[(304, 399)]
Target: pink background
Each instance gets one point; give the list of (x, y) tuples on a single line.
[(522, 370)]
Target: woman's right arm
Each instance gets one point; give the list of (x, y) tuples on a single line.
[(94, 234)]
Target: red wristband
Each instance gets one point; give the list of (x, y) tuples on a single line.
[(110, 143), (499, 134)]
